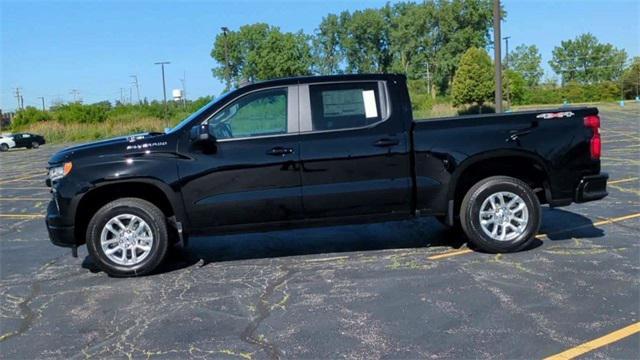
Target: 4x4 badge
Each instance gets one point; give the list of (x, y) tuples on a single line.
[(555, 115)]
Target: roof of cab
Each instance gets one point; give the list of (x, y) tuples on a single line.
[(322, 78)]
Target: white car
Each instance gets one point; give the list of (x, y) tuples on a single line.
[(6, 143)]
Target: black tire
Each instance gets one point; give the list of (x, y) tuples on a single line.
[(470, 214), (35, 145), (4, 147), (147, 212)]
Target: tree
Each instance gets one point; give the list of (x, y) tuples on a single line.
[(585, 60), (526, 59), (631, 79), (365, 40), (473, 81), (282, 55), (460, 25), (259, 52), (412, 37), (517, 86), (327, 53)]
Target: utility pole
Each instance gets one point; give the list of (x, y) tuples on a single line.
[(164, 88), (506, 67), (227, 72), (497, 54), (121, 96), (638, 85), (184, 89), (42, 98), (19, 98), (135, 83), (130, 95), (75, 94)]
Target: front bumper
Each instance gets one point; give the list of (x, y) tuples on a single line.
[(59, 234), (592, 187)]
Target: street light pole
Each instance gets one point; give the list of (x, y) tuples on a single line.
[(164, 88), (227, 73), (506, 67), (497, 54)]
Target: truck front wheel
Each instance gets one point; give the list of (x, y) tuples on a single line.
[(128, 237), (500, 214)]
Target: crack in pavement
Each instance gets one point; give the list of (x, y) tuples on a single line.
[(28, 314), (263, 307)]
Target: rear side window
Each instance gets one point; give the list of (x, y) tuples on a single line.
[(343, 106)]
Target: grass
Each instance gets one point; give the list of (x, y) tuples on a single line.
[(125, 124), (55, 132)]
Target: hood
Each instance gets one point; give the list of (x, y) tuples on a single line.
[(109, 146)]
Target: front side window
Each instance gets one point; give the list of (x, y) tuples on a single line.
[(257, 114), (343, 106)]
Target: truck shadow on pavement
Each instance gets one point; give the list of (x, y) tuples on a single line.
[(422, 233)]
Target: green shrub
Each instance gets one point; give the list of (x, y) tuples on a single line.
[(29, 115), (79, 113)]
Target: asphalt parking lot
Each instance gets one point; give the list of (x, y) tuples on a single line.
[(394, 290)]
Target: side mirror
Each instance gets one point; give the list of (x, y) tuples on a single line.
[(201, 136), (201, 133)]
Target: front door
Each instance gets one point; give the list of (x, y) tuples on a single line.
[(252, 176)]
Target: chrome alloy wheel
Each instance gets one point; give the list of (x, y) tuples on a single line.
[(126, 239), (504, 216)]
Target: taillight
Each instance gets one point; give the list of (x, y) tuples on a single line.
[(593, 122)]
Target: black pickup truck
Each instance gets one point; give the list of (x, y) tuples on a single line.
[(318, 151)]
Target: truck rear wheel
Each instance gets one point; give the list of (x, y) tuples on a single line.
[(128, 237), (500, 214)]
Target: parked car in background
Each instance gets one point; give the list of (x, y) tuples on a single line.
[(6, 143), (28, 140)]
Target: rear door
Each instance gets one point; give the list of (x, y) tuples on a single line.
[(19, 140), (253, 175), (354, 152)]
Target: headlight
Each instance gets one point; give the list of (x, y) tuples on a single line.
[(58, 172)]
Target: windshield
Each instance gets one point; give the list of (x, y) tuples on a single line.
[(189, 118)]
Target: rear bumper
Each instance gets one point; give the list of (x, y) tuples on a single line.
[(59, 233), (590, 188)]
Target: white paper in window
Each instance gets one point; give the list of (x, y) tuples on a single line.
[(370, 108)]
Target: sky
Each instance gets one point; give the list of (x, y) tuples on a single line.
[(49, 48)]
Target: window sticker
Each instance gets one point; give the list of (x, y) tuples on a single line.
[(370, 109)]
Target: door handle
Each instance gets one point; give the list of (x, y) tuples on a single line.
[(514, 135), (386, 142), (280, 151)]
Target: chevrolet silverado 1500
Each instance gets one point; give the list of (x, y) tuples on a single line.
[(319, 151)]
